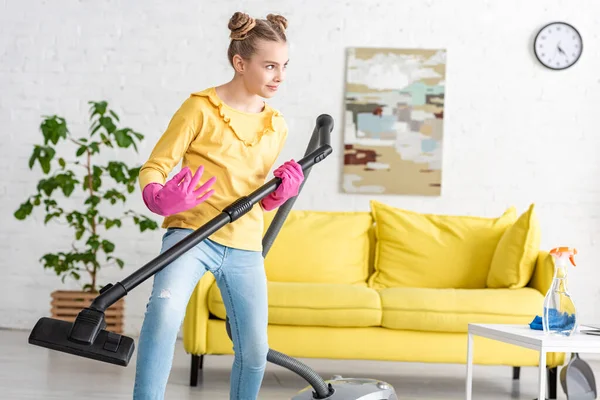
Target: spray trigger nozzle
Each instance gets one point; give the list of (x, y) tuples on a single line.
[(560, 251)]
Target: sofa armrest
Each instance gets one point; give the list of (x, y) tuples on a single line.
[(195, 323), (543, 272)]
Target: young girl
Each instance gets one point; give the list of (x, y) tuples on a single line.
[(232, 136)]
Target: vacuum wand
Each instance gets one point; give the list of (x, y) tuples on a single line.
[(87, 337), (231, 213)]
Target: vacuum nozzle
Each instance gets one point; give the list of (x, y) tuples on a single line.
[(86, 337)]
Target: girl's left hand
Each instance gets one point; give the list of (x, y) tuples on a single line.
[(291, 176)]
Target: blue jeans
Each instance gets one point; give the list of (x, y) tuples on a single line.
[(241, 278)]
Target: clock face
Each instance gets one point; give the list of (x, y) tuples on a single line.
[(558, 45)]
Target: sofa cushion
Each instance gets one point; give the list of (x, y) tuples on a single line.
[(320, 247), (517, 252), (434, 251), (314, 304), (451, 310)]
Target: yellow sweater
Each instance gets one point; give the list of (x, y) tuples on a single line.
[(237, 147)]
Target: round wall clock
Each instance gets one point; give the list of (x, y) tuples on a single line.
[(558, 45)]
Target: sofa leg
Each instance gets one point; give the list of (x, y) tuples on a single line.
[(197, 363), (552, 382), (516, 373)]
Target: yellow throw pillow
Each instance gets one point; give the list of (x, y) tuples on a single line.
[(517, 253), (434, 251), (320, 247)]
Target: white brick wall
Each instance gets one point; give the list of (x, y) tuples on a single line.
[(533, 132)]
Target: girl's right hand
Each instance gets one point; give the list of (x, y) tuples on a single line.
[(178, 194)]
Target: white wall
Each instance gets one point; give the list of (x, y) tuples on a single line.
[(533, 133)]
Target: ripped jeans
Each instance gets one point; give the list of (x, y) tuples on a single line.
[(240, 276)]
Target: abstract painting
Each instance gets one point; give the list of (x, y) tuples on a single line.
[(393, 128)]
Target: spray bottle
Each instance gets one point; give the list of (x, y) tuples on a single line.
[(560, 316)]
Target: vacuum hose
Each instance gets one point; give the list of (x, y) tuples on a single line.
[(322, 390)]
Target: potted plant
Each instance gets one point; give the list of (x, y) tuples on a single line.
[(90, 250)]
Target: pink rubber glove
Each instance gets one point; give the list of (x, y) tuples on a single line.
[(291, 175), (178, 194)]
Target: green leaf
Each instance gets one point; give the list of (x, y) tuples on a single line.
[(98, 108), (34, 156), (79, 233), (97, 171), (93, 242), (117, 170), (114, 195), (93, 200), (134, 173), (81, 150), (108, 124), (77, 221), (47, 186), (106, 140), (88, 287), (145, 223), (45, 165), (90, 216), (96, 182), (53, 261), (66, 182), (107, 246), (95, 127), (50, 216), (51, 204), (53, 128), (24, 210), (44, 155), (113, 222), (95, 148), (120, 262), (114, 115), (62, 163), (122, 137)]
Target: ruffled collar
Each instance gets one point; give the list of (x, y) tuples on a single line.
[(227, 113)]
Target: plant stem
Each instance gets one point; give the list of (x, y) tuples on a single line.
[(91, 189), (76, 141)]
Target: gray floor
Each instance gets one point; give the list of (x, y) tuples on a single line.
[(31, 372)]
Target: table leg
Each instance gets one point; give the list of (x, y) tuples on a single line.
[(469, 383), (542, 375)]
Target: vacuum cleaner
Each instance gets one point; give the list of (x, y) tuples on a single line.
[(87, 335)]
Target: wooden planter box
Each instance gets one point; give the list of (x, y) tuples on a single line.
[(66, 304)]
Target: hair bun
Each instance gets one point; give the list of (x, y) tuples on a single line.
[(278, 19), (240, 25)]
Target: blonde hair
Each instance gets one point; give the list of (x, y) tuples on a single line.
[(247, 31)]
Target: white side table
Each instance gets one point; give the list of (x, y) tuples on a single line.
[(524, 336)]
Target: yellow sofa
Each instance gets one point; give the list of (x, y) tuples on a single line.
[(390, 284)]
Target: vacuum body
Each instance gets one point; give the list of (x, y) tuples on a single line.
[(352, 389)]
